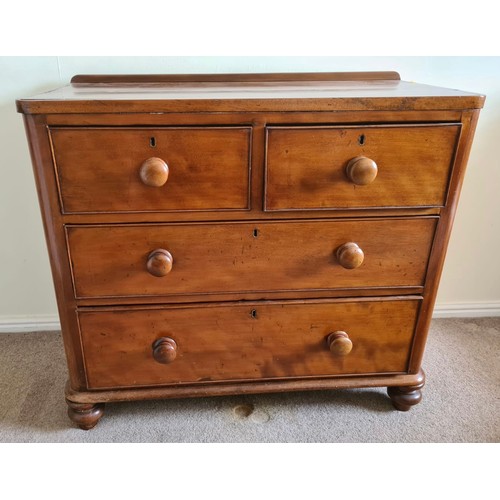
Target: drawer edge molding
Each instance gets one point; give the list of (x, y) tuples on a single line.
[(291, 184), (271, 340), (255, 387), (232, 303), (105, 265), (72, 181)]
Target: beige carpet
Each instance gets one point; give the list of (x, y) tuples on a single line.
[(461, 401)]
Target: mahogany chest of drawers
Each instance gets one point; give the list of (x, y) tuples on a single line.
[(228, 234)]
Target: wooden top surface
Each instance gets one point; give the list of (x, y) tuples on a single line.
[(245, 92)]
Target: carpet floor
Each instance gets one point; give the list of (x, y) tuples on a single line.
[(461, 401)]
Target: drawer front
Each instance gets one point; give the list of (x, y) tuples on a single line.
[(107, 169), (307, 167), (254, 341), (117, 261)]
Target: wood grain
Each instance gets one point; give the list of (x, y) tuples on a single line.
[(361, 170), (283, 96), (305, 168), (234, 77), (85, 415), (212, 258), (99, 169), (442, 237), (228, 341), (239, 215), (154, 171), (339, 343), (243, 387), (164, 350), (239, 117), (43, 170), (212, 183), (267, 295), (403, 398), (350, 255)]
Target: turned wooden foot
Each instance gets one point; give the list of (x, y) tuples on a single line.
[(403, 398), (85, 415)]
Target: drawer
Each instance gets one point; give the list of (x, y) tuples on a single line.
[(123, 169), (310, 168), (195, 258), (215, 342)]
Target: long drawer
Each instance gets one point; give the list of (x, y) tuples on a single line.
[(324, 167), (152, 169), (262, 340), (173, 259)]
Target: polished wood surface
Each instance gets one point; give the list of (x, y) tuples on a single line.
[(243, 215), (281, 93), (403, 398), (306, 166), (234, 78), (361, 170), (101, 169), (159, 262), (350, 255), (339, 343), (53, 225), (154, 171), (442, 237), (110, 261), (242, 387), (164, 350), (85, 415), (145, 300), (364, 117), (226, 234), (251, 341)]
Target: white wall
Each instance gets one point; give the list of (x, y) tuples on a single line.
[(471, 278)]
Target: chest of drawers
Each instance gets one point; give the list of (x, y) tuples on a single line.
[(229, 234)]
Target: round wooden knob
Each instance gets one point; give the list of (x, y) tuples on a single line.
[(160, 262), (164, 350), (350, 255), (154, 172), (361, 170), (339, 343)]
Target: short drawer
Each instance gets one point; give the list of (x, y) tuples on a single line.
[(195, 258), (210, 343), (148, 170), (314, 168)]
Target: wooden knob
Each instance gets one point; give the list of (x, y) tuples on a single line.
[(361, 170), (154, 172), (160, 262), (339, 343), (164, 350), (350, 255)]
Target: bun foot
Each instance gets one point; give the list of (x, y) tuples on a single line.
[(403, 398), (85, 415)]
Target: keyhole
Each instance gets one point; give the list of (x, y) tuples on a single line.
[(361, 139), (152, 142), (253, 313), (255, 233)]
